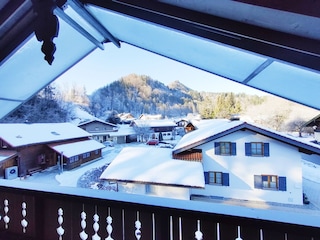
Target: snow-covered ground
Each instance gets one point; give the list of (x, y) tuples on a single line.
[(70, 178)]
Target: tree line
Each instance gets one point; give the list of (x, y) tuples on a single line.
[(140, 94)]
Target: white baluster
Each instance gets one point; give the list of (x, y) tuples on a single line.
[(6, 218), (60, 229), (171, 228), (218, 231), (96, 227), (153, 227), (180, 228), (109, 228), (261, 234), (24, 222), (239, 235), (198, 233), (138, 227), (83, 235)]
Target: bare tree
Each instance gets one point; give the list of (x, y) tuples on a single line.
[(296, 125), (143, 132)]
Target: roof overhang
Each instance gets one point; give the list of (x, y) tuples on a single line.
[(310, 147), (270, 48)]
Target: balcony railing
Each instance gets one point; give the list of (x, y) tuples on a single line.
[(36, 211)]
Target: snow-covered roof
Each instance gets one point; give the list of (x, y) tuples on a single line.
[(76, 148), (20, 134), (205, 129), (209, 130), (155, 123), (96, 120), (137, 164), (123, 130), (5, 154)]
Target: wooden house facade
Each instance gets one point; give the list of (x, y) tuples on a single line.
[(34, 147)]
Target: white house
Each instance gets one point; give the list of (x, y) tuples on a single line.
[(100, 130), (162, 129), (152, 171), (244, 161)]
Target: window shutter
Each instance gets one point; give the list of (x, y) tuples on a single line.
[(225, 179), (258, 181), (248, 149), (282, 183), (233, 149), (206, 177), (266, 151), (217, 148)]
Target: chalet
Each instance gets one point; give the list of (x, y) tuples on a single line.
[(125, 134), (27, 148), (247, 162), (185, 125), (220, 159), (153, 172), (154, 129), (126, 118), (99, 129)]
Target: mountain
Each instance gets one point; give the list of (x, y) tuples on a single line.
[(178, 86), (140, 94)]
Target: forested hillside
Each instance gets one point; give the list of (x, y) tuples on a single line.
[(141, 94), (136, 94)]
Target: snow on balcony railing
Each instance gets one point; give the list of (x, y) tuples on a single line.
[(46, 212)]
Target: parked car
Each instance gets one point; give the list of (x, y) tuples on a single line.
[(153, 142), (108, 144)]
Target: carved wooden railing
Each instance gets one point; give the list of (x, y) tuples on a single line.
[(34, 211)]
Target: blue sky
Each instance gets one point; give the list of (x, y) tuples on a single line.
[(100, 68)]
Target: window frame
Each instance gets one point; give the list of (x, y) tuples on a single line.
[(257, 149), (86, 155), (280, 183), (225, 180), (216, 179), (225, 148), (268, 181), (219, 149), (265, 149)]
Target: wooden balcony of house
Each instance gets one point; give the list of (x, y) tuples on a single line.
[(36, 211)]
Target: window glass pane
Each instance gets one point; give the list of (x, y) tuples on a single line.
[(270, 181), (208, 55), (278, 77), (218, 177), (28, 68), (257, 149), (225, 148)]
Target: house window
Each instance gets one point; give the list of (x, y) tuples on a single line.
[(270, 182), (86, 155), (216, 178), (225, 148), (96, 152), (73, 159), (257, 149)]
